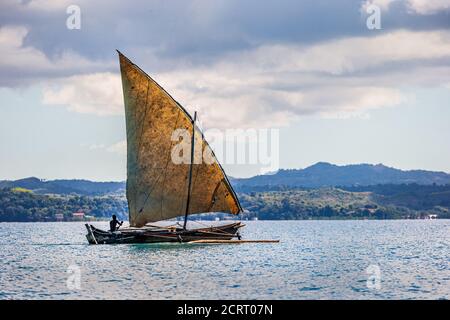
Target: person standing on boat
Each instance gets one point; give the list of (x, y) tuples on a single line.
[(113, 224)]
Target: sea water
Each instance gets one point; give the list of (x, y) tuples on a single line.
[(402, 259)]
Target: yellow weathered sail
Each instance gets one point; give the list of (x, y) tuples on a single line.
[(157, 188)]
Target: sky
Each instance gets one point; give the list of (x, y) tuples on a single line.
[(332, 88)]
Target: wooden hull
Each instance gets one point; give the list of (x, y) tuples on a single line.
[(162, 234)]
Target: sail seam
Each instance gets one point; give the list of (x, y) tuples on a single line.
[(212, 202), (144, 117), (165, 169)]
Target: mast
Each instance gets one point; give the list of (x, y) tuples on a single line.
[(190, 171)]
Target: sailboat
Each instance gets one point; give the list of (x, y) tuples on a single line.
[(158, 189)]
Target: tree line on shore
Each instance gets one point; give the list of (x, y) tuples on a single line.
[(407, 201), (22, 205)]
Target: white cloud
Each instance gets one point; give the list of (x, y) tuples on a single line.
[(421, 7), (39, 5), (119, 147), (353, 54), (428, 6), (17, 59), (14, 54), (274, 85), (98, 93), (344, 102), (96, 146), (382, 4)]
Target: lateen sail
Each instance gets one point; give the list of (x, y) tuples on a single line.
[(157, 187)]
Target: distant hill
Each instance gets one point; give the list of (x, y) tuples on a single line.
[(322, 191), (316, 176), (78, 187), (325, 174)]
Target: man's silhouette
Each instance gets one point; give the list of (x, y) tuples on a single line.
[(113, 223)]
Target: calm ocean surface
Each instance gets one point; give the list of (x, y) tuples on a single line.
[(314, 260)]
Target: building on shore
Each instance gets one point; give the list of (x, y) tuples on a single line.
[(78, 216)]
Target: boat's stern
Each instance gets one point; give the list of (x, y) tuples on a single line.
[(90, 235)]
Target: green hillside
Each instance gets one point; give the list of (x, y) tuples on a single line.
[(376, 202), (371, 202), (19, 204)]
